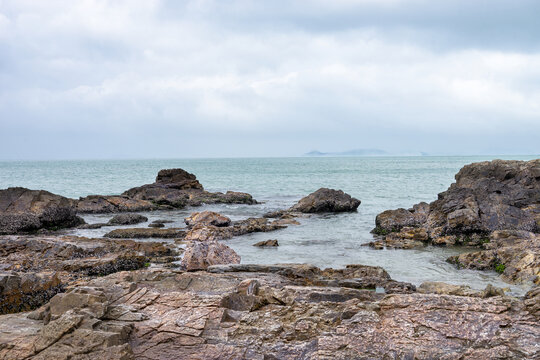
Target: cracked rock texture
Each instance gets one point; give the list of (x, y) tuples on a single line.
[(269, 312)]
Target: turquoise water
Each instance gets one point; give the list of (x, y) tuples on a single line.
[(381, 183)]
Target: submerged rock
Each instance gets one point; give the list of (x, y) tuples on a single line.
[(156, 225), (162, 221), (326, 200), (266, 243), (24, 210), (406, 238), (127, 219), (514, 254)]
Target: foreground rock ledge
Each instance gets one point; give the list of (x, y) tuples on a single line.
[(33, 269), (268, 312)]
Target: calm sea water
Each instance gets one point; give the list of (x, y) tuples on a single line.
[(329, 240)]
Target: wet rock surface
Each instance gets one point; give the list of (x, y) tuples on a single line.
[(326, 200), (177, 188), (32, 268), (199, 255), (142, 233), (435, 287), (203, 232), (127, 219), (25, 210), (173, 188), (200, 228), (267, 312), (493, 205), (20, 291), (514, 254), (95, 204), (207, 218), (265, 243)]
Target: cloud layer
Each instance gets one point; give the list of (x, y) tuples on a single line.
[(140, 78)]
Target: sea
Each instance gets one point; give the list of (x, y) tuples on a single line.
[(326, 240)]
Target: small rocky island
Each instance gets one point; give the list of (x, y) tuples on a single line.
[(116, 297)]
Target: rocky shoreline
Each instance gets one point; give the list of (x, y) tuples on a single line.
[(493, 206), (161, 292), (269, 312)]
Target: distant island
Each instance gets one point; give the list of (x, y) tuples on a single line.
[(355, 152)]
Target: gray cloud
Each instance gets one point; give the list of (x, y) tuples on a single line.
[(240, 78)]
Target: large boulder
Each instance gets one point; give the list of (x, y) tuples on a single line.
[(487, 196), (24, 210), (394, 220), (178, 179), (326, 200)]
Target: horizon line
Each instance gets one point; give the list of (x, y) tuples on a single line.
[(265, 157)]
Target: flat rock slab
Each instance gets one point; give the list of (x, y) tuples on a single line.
[(141, 233), (257, 312)]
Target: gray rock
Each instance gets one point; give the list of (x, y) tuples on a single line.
[(266, 243), (127, 219), (24, 210), (326, 200)]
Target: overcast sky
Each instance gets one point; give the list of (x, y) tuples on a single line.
[(170, 79)]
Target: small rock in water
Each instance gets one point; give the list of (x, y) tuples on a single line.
[(162, 221), (93, 226), (266, 243), (326, 200), (127, 219), (207, 218), (156, 225)]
